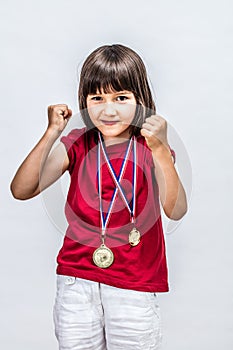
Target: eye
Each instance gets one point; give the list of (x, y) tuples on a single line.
[(121, 98), (96, 98)]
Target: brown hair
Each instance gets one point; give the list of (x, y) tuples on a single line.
[(115, 68)]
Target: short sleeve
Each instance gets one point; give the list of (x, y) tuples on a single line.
[(173, 154), (148, 154), (72, 144), (149, 157)]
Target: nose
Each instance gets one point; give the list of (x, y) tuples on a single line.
[(109, 109)]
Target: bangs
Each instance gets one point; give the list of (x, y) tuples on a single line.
[(110, 77)]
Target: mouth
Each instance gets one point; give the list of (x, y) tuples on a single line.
[(109, 122)]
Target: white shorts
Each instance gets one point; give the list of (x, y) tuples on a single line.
[(94, 316)]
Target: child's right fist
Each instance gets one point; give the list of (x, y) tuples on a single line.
[(59, 116)]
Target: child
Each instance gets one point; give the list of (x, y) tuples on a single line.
[(112, 263)]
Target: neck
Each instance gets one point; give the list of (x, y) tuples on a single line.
[(114, 141)]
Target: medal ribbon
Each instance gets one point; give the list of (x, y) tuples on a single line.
[(104, 221)]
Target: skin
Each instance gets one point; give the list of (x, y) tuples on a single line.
[(41, 167), (171, 191), (112, 114)]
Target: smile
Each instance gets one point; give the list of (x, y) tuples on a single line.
[(109, 122)]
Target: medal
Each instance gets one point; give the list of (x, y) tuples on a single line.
[(134, 237), (103, 256)]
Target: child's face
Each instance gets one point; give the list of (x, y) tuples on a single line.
[(112, 113)]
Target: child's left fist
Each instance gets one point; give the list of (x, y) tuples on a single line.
[(155, 132)]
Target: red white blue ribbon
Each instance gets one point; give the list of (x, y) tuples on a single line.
[(117, 180)]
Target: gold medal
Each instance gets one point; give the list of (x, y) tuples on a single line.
[(103, 257), (134, 237)]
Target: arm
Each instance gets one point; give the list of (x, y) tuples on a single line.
[(40, 168), (171, 191)]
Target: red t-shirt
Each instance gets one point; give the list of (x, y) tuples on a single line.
[(142, 267)]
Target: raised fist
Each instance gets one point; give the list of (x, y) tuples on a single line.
[(58, 116)]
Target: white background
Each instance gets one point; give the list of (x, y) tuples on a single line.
[(187, 47)]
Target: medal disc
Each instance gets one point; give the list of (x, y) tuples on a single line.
[(134, 237), (103, 257)]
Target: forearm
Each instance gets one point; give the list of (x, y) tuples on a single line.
[(171, 191), (26, 181)]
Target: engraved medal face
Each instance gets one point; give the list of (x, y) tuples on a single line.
[(134, 237), (103, 257)]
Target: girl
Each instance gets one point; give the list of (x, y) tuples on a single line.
[(112, 263)]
